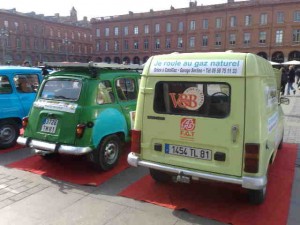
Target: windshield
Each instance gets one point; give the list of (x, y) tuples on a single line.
[(62, 89)]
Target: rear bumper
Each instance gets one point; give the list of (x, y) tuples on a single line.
[(254, 183), (46, 147)]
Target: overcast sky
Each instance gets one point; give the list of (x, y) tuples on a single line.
[(98, 8)]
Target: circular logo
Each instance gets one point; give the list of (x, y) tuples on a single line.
[(195, 98)]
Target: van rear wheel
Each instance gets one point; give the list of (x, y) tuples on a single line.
[(9, 132), (107, 155), (160, 176), (257, 197)]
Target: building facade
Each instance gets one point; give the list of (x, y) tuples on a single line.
[(269, 28), (35, 37)]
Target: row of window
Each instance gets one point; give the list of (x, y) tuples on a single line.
[(40, 30), (233, 22), (47, 45), (262, 39)]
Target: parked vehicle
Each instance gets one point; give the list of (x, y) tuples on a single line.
[(18, 87), (215, 116), (84, 109)]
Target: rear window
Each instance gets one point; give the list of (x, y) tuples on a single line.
[(192, 99), (62, 89)]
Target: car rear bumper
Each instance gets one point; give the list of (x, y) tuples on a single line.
[(46, 147), (254, 183)]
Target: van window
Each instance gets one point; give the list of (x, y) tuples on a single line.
[(126, 89), (105, 94), (192, 99), (5, 87), (62, 89)]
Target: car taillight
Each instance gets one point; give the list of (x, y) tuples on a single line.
[(25, 122), (251, 158), (80, 130), (136, 141)]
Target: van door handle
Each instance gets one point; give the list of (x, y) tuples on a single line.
[(234, 132)]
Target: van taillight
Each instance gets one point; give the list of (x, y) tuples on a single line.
[(136, 141), (80, 130), (251, 158), (25, 122)]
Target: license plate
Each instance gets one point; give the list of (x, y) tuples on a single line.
[(188, 151), (49, 125)]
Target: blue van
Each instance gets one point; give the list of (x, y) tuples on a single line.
[(18, 87)]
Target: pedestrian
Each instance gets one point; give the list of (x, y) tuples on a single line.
[(283, 80), (26, 63), (291, 80), (297, 78)]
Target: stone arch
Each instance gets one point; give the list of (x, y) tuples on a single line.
[(107, 59), (126, 60), (294, 55), (263, 54), (278, 57), (136, 60)]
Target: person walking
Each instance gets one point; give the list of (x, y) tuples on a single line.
[(283, 80), (291, 80), (297, 78)]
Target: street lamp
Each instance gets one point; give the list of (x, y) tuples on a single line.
[(66, 42), (3, 36)]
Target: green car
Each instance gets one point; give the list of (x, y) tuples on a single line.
[(84, 109)]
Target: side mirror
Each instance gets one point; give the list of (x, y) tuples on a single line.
[(284, 100)]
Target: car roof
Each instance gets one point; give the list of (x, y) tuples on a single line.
[(94, 70), (18, 69)]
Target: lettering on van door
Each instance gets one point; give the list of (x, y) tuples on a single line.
[(187, 127), (231, 67)]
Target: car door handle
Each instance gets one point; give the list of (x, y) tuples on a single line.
[(234, 133)]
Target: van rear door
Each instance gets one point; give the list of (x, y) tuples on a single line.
[(195, 123)]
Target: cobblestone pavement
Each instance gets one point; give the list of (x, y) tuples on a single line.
[(13, 189)]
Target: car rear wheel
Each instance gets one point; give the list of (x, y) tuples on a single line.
[(9, 132), (257, 197), (107, 155), (160, 176)]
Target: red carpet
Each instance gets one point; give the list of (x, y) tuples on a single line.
[(73, 169), (16, 147), (226, 203)]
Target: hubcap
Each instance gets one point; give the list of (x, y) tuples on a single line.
[(7, 134), (111, 152)]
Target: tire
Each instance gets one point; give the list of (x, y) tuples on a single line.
[(107, 155), (160, 176), (9, 132), (257, 197)]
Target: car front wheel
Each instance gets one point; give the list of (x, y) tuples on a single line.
[(9, 132)]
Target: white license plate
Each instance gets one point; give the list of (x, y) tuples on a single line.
[(188, 151), (49, 125)]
